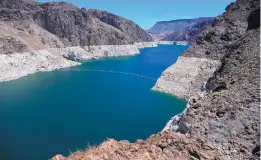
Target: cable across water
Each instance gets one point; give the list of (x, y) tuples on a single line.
[(110, 71)]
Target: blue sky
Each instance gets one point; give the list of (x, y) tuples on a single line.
[(147, 12)]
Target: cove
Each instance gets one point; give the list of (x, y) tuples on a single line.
[(60, 111)]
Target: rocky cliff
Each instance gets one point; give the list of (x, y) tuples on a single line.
[(46, 36), (74, 26), (219, 76), (189, 33)]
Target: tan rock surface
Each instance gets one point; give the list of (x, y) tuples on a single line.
[(162, 146)]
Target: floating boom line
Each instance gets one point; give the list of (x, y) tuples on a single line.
[(115, 72)]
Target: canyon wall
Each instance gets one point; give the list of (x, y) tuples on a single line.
[(38, 36), (219, 77), (72, 25)]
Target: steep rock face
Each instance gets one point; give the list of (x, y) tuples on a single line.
[(213, 43), (47, 36), (187, 76), (189, 33), (74, 26), (23, 36), (26, 48), (132, 30), (223, 104)]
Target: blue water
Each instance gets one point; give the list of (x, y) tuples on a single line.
[(54, 112)]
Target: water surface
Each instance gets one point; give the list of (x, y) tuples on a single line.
[(54, 112)]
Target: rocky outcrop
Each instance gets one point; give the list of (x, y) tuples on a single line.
[(132, 30), (157, 36), (186, 78), (189, 33), (94, 52), (162, 146), (22, 36), (14, 66), (219, 76)]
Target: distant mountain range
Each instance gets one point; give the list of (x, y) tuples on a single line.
[(176, 25), (181, 29)]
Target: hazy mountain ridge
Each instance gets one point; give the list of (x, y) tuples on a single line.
[(189, 33), (178, 29), (175, 25)]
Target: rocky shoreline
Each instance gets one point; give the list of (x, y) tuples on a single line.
[(17, 65), (187, 76), (185, 79), (219, 76)]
